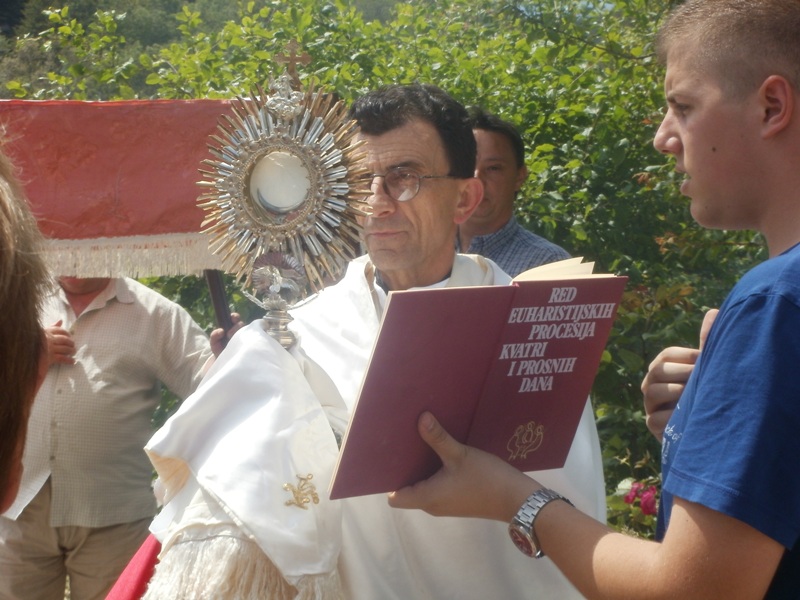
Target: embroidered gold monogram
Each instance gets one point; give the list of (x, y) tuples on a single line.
[(303, 494)]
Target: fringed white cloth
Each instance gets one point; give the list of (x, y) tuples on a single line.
[(131, 256), (249, 457), (221, 564)]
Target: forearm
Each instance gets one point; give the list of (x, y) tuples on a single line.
[(691, 563), (598, 561), (705, 554)]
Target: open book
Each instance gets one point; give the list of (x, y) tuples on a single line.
[(507, 369)]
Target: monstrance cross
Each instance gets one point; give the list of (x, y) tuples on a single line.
[(293, 59)]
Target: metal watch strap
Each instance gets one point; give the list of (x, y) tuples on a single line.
[(526, 516)]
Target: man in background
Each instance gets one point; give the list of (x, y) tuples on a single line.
[(86, 500), (492, 230)]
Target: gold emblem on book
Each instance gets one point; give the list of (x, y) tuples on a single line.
[(526, 439), (305, 492)]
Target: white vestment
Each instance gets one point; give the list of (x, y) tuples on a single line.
[(264, 417)]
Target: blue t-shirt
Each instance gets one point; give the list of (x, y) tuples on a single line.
[(733, 442)]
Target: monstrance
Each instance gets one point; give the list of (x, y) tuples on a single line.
[(283, 194)]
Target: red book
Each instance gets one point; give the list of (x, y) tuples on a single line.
[(506, 369)]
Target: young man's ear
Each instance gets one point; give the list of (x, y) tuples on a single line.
[(471, 196), (776, 95)]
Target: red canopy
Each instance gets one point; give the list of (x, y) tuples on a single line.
[(113, 184)]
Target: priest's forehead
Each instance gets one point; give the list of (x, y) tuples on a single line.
[(416, 145), (393, 106)]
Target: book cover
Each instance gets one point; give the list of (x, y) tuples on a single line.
[(507, 369)]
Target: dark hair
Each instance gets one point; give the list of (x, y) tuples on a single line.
[(486, 121), (392, 106), (23, 283), (740, 41)]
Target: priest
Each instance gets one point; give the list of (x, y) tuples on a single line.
[(245, 464)]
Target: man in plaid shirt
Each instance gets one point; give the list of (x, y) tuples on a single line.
[(492, 230)]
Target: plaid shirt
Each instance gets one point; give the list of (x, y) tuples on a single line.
[(516, 249)]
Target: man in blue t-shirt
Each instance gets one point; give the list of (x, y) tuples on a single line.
[(729, 517)]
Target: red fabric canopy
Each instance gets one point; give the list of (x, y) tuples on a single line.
[(113, 184)]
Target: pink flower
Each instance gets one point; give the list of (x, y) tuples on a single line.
[(636, 491), (648, 501)]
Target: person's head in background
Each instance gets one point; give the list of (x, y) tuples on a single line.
[(500, 166), (420, 148), (23, 282)]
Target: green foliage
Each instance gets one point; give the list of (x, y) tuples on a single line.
[(578, 77)]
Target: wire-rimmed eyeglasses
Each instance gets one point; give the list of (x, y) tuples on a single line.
[(402, 184)]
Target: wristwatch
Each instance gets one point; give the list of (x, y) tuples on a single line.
[(521, 527)]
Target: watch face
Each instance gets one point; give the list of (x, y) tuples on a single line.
[(521, 541)]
